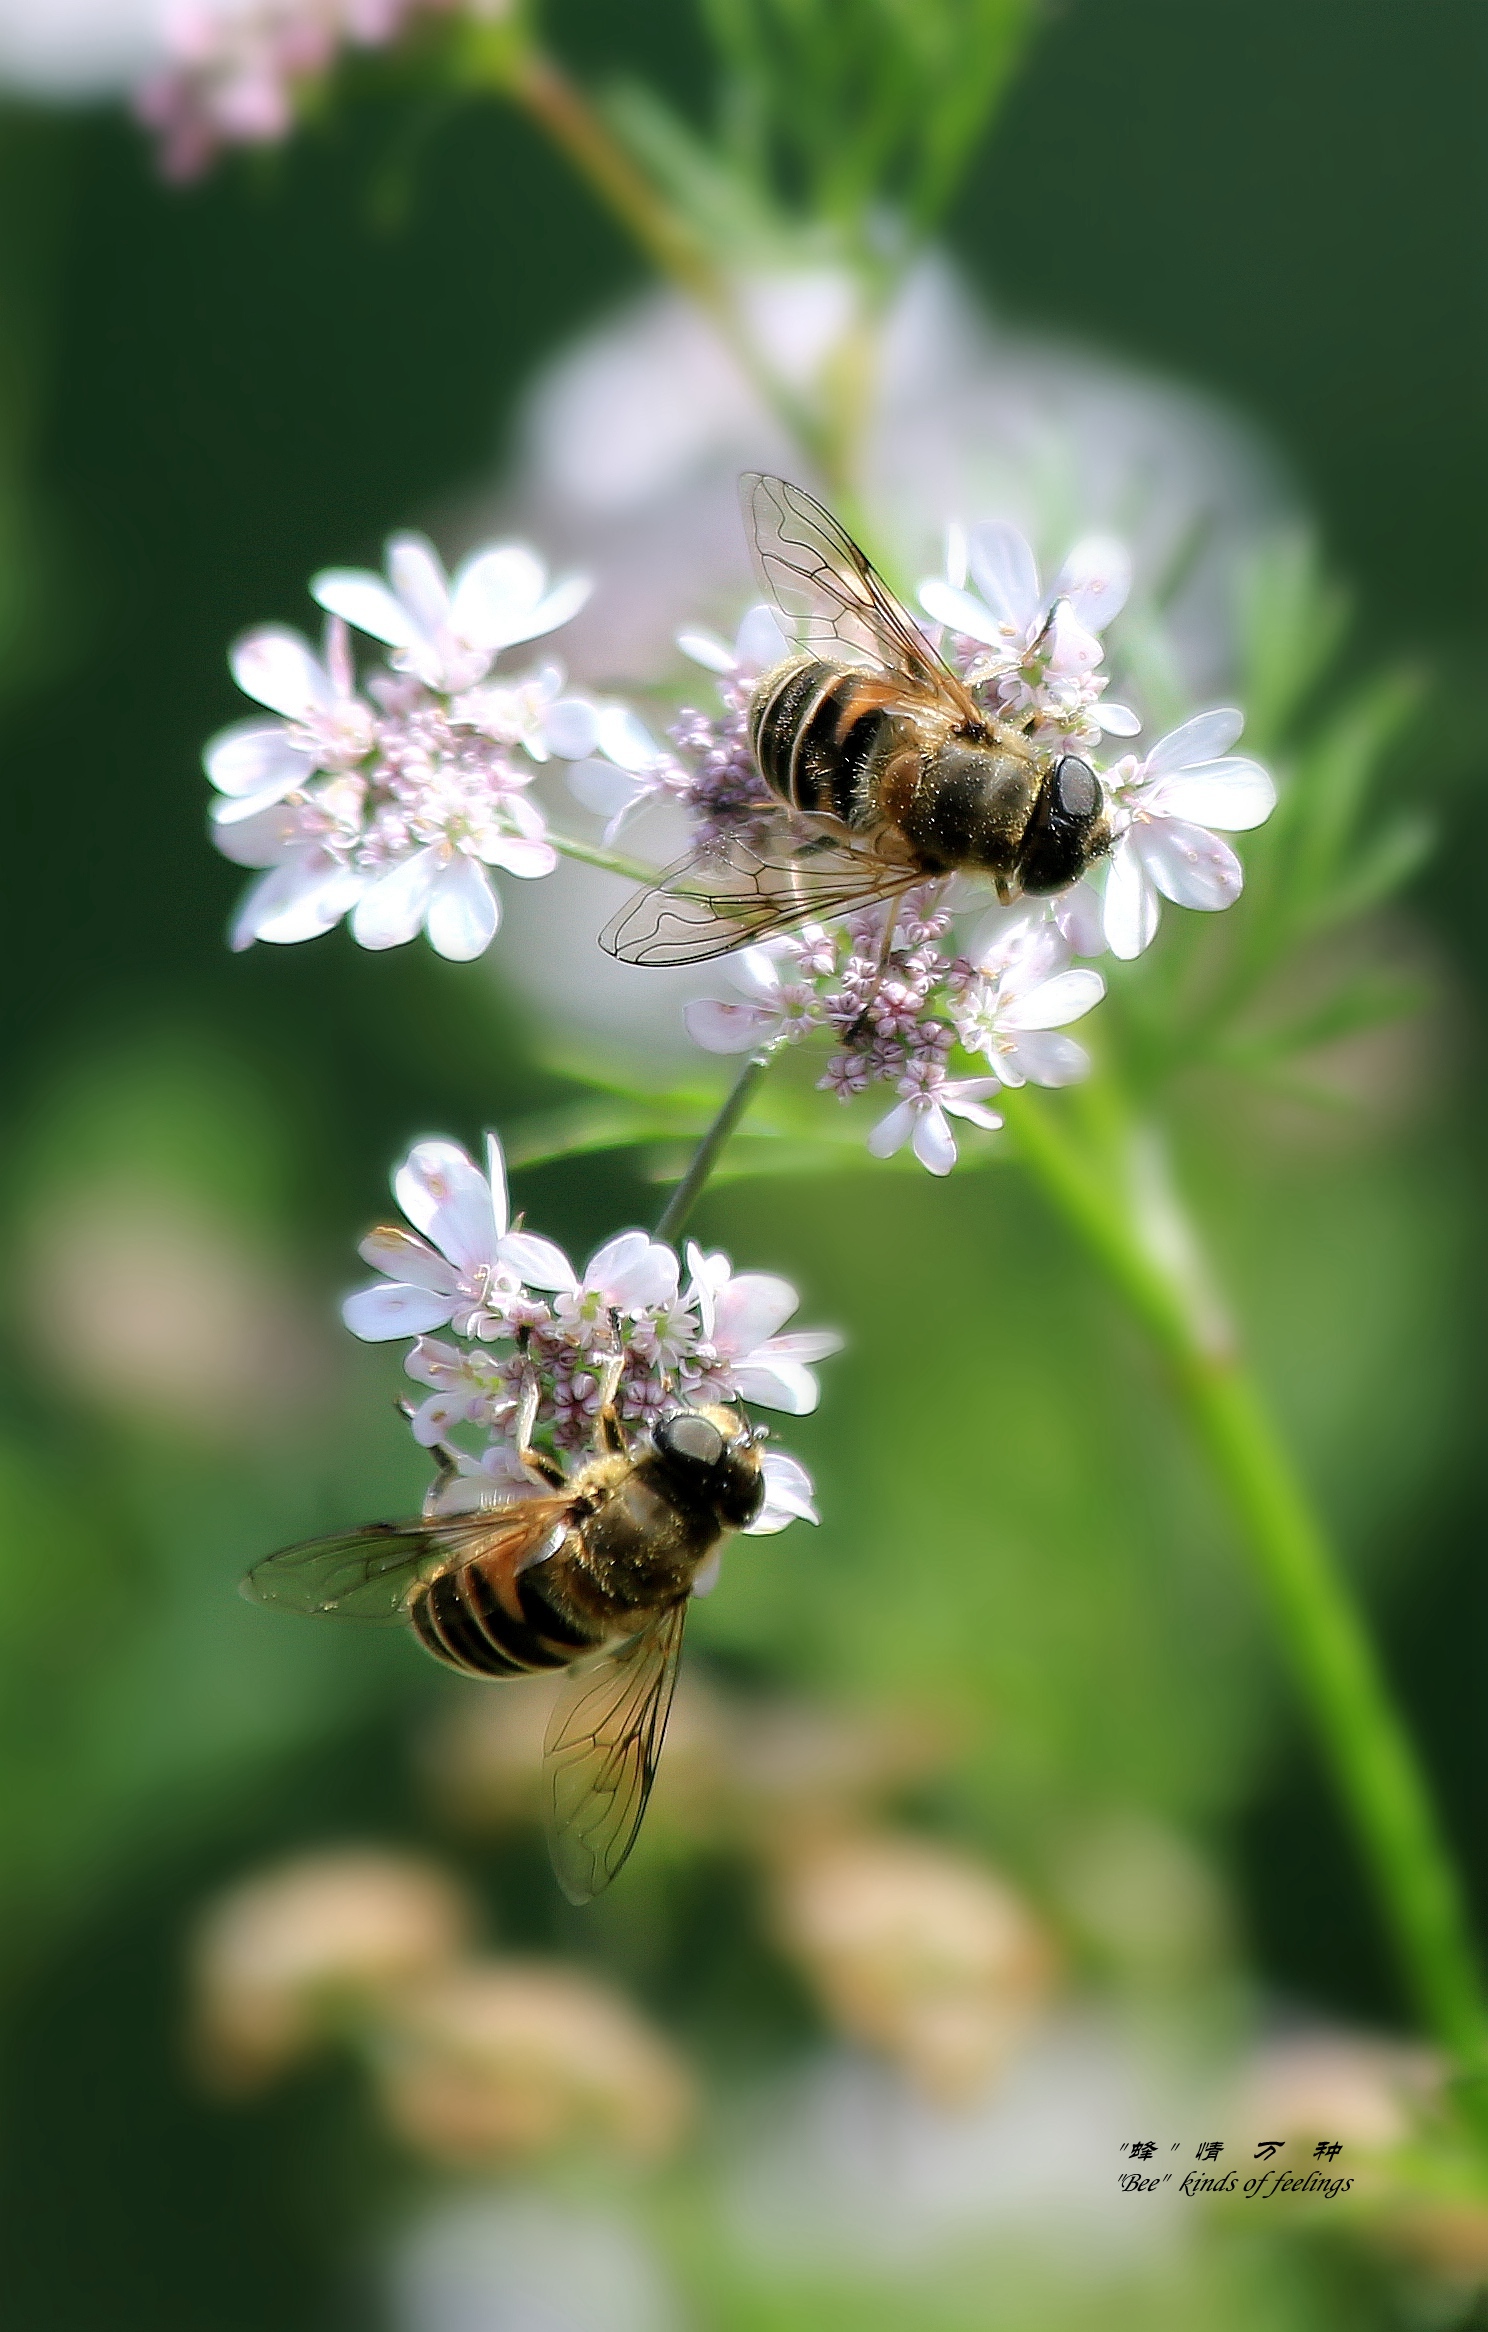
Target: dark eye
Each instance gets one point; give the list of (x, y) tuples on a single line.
[(1075, 789), (692, 1442)]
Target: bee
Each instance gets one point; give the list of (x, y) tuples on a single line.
[(594, 1577), (885, 771)]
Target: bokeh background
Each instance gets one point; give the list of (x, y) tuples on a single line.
[(204, 395)]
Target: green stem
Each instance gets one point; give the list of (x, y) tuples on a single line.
[(1130, 1220), (712, 1146), (635, 870)]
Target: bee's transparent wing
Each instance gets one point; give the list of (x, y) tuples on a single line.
[(601, 1754), (366, 1574), (818, 577), (748, 887)]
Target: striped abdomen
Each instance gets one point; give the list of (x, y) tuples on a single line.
[(814, 750), (465, 1620)]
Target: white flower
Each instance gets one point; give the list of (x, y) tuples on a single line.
[(773, 1007), (739, 1318), (496, 1478), (1039, 648), (920, 1117), (1164, 807), (449, 633), (533, 713), (469, 1388), (633, 768), (1024, 995), (466, 1268), (326, 725), (626, 1275), (759, 644)]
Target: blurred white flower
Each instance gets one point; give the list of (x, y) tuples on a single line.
[(325, 724), (789, 1496), (448, 633), (517, 2261), (1034, 652), (78, 48), (1164, 806)]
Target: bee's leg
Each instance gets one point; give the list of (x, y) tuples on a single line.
[(609, 1433), (536, 1461)]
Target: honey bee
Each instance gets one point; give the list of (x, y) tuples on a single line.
[(886, 771), (595, 1578)]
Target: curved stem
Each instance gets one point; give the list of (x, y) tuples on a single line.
[(712, 1146), (635, 870), (1131, 1221)]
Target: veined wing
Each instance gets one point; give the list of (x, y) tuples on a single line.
[(739, 890), (816, 575), (601, 1754), (367, 1574)]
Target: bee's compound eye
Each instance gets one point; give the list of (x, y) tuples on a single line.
[(1076, 791), (695, 1442)]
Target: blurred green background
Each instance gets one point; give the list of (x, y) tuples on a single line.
[(203, 397)]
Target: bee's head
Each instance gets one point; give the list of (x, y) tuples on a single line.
[(1068, 829), (712, 1454)]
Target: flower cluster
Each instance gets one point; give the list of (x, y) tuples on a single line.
[(535, 1348), (900, 1017), (388, 804), (236, 70)]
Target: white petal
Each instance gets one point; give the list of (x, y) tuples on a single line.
[(934, 1143), (257, 834), (571, 727), (1233, 794), (496, 1177), (975, 1112), (1131, 910), (1095, 579), (727, 1028), (1189, 865), (1202, 739), (633, 1271), (892, 1132), (788, 1495), (517, 854), (777, 1384), (391, 910), (560, 607), (961, 612), (603, 788), (495, 590), (756, 973), (760, 643), (707, 649), (808, 1344), (298, 900), (1117, 720), (1045, 1058), (708, 1573), (1054, 1003), (255, 756), (377, 1314), (281, 669), (416, 573), (463, 910), (750, 1308), (1077, 915), (538, 1261), (445, 1195), (1005, 572), (408, 1260), (365, 601), (1072, 649), (625, 739)]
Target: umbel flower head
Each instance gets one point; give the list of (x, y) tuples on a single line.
[(530, 1340), (390, 804), (945, 1018)]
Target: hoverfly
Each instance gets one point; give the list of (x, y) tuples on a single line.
[(885, 770), (595, 1578)]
